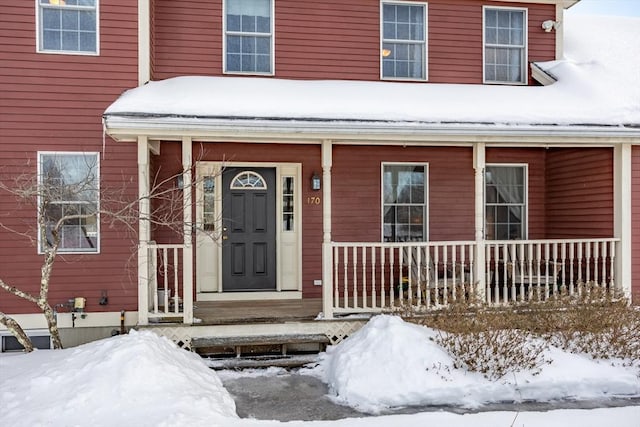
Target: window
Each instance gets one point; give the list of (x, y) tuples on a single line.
[(505, 45), (505, 202), (248, 180), (248, 36), (40, 340), (209, 203), (404, 48), (288, 203), (68, 26), (68, 193), (404, 194)]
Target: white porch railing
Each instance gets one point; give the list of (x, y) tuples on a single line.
[(165, 284), (371, 277), (536, 270)]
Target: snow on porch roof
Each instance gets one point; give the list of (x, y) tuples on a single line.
[(598, 84)]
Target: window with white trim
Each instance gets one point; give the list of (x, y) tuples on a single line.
[(505, 42), (404, 200), (68, 26), (404, 34), (68, 201), (248, 36), (505, 202)]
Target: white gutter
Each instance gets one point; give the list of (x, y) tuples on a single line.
[(174, 128)]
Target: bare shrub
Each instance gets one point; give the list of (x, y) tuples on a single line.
[(498, 340), (486, 340)]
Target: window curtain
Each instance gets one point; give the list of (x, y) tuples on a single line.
[(509, 184)]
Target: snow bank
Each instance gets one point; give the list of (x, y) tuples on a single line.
[(116, 381), (390, 363)]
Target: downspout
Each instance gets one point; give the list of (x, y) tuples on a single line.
[(144, 42), (327, 250)]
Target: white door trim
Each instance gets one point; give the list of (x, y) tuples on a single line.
[(288, 243)]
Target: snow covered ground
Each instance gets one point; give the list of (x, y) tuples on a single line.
[(144, 380)]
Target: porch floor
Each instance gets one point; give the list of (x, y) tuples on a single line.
[(271, 311)]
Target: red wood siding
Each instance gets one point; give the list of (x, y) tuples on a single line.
[(579, 192), (635, 224), (535, 159), (53, 102), (335, 39), (356, 201)]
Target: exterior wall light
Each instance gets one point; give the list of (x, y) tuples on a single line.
[(316, 182), (549, 25)]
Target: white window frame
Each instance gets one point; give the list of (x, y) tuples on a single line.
[(425, 43), (225, 33), (525, 210), (40, 36), (61, 250), (426, 196), (524, 47)]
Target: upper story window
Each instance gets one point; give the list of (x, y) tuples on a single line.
[(68, 26), (248, 36), (505, 202), (404, 35), (505, 45), (404, 202), (68, 197)]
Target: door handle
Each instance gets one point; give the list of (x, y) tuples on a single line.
[(224, 237)]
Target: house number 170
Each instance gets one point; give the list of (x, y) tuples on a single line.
[(313, 200)]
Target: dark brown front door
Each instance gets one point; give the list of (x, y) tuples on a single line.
[(249, 235)]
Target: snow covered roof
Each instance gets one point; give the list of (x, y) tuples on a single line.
[(597, 88)]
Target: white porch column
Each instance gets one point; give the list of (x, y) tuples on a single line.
[(144, 232), (327, 254), (187, 254), (622, 216), (479, 162)]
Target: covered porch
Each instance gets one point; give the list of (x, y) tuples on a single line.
[(368, 277)]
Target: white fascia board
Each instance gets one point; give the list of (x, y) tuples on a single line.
[(299, 131)]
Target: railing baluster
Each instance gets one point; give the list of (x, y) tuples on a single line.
[(176, 283), (364, 277), (612, 256), (336, 277), (580, 278), (383, 290), (345, 290), (596, 260), (587, 256), (571, 264), (165, 279), (373, 278), (391, 272)]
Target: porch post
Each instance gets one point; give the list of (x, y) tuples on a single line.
[(480, 261), (622, 216), (327, 254), (187, 252), (144, 232)]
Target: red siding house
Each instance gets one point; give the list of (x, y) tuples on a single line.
[(342, 157)]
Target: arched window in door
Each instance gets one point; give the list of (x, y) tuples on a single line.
[(248, 180)]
